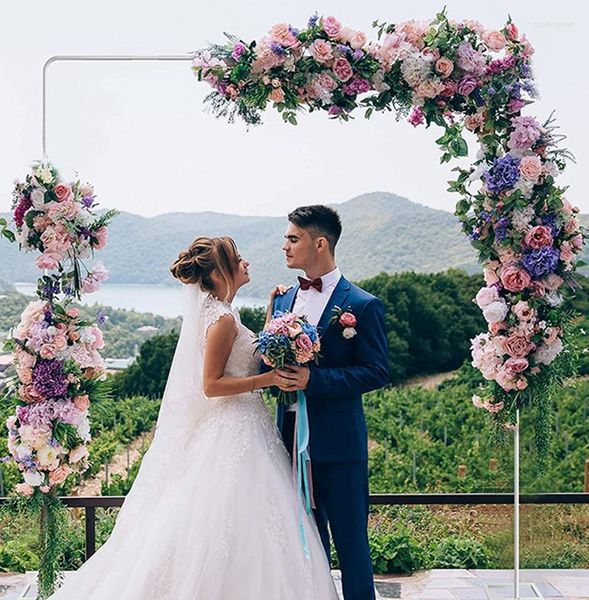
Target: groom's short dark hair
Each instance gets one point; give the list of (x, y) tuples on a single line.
[(321, 220)]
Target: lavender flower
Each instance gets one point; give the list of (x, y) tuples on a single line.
[(277, 49), (313, 20), (87, 201), (101, 317), (503, 175), (541, 261), (50, 379), (501, 228), (358, 54)]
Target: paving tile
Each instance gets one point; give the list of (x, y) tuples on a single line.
[(435, 573), (449, 583)]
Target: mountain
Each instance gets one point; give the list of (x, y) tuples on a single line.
[(382, 232)]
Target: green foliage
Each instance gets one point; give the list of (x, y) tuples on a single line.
[(395, 552), (456, 552)]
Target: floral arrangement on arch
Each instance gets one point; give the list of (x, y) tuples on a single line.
[(59, 370), (470, 81)]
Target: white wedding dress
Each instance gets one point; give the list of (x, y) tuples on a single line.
[(214, 513)]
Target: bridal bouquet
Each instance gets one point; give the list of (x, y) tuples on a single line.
[(288, 339)]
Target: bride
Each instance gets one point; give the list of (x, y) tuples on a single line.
[(213, 513)]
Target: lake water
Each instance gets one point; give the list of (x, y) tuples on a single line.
[(158, 299)]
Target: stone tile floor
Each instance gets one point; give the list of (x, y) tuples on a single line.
[(438, 584)]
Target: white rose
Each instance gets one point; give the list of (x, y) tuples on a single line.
[(43, 173), (47, 455), (349, 333), (33, 478), (478, 402), (496, 311), (38, 198), (83, 429), (486, 295), (547, 353), (553, 298)]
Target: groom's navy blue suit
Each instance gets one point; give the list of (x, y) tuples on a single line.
[(338, 438)]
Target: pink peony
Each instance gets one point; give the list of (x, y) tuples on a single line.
[(343, 69), (515, 365), (505, 380), (321, 51), (531, 167), (326, 81), (282, 34), (566, 252), (331, 26), (512, 31), (523, 311), (515, 279), (526, 132), (486, 295), (538, 237), (101, 236)]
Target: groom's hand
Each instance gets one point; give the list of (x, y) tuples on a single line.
[(298, 378)]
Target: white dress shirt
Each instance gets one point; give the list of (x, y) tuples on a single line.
[(311, 303)]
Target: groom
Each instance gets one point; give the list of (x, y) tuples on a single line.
[(354, 360)]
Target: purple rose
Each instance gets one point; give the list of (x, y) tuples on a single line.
[(467, 85), (238, 50)]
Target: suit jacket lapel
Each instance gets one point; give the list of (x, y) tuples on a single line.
[(338, 298), (287, 301)]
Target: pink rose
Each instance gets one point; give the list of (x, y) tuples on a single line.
[(494, 407), (73, 312), (78, 453), (47, 351), (486, 295), (515, 279), (567, 207), (86, 190), (531, 167), (496, 328), (304, 343), (24, 489), (101, 236), (515, 365), (552, 281), (538, 237), (358, 40), (59, 475), (566, 252), (449, 87), (517, 345), (577, 241), (282, 34), (523, 311), (62, 191), (331, 26), (507, 255), (82, 403), (490, 272), (538, 289), (321, 51), (512, 31), (494, 40), (48, 260), (572, 225), (522, 383), (505, 380), (326, 81), (276, 95), (474, 122), (347, 319), (343, 69), (444, 66)]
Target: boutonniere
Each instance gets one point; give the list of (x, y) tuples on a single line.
[(346, 320)]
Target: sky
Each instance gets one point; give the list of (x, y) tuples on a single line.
[(140, 132)]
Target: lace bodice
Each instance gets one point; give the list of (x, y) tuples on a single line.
[(243, 360)]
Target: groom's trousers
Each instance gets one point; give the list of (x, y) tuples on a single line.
[(340, 490)]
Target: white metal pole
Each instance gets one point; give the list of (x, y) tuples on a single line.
[(516, 592), (96, 58)]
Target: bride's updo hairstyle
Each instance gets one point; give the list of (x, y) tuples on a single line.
[(205, 255)]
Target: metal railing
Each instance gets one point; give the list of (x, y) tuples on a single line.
[(91, 503)]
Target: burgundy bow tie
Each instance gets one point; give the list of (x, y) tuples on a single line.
[(308, 283)]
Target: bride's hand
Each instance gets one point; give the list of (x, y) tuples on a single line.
[(278, 290)]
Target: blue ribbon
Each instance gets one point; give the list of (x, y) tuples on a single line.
[(303, 459)]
